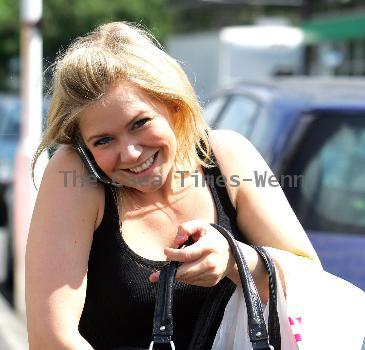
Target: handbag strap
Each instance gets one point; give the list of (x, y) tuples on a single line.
[(273, 322), (258, 334), (257, 331), (163, 327)]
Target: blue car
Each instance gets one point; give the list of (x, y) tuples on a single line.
[(312, 134)]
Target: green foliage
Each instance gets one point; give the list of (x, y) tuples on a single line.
[(64, 20), (9, 37)]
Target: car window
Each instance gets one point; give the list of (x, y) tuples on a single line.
[(213, 108), (331, 160), (239, 115), (266, 129)]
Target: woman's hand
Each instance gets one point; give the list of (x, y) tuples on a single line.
[(205, 262)]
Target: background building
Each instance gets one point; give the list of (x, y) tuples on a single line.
[(335, 39)]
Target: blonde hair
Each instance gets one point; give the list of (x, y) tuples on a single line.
[(121, 51)]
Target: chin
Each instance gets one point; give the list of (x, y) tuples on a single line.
[(150, 185)]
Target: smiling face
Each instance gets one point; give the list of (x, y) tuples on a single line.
[(130, 136)]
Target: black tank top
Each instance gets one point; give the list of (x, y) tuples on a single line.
[(119, 303)]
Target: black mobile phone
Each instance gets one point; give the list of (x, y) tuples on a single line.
[(91, 164)]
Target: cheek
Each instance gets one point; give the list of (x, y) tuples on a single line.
[(162, 135), (174, 147), (105, 160), (170, 143), (173, 143), (168, 136)]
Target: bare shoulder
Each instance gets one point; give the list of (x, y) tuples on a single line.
[(67, 181), (230, 143), (65, 159), (236, 157)]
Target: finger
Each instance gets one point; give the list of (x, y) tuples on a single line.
[(180, 239), (191, 271), (197, 274), (201, 281), (194, 228), (154, 277), (188, 254)]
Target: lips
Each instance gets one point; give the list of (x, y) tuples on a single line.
[(144, 166)]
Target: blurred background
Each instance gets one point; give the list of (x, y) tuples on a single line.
[(287, 74)]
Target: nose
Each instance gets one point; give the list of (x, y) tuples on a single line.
[(130, 153)]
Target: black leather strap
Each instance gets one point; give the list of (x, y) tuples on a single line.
[(273, 322), (259, 337), (162, 320), (163, 327), (256, 323)]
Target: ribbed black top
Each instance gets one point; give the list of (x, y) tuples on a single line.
[(119, 304)]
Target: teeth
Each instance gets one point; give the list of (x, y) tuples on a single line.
[(142, 167)]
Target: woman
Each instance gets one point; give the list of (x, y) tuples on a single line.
[(94, 250)]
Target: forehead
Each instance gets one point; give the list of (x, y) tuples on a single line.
[(123, 100), (126, 96)]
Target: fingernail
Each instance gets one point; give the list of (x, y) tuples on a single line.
[(180, 238), (154, 277), (166, 251)]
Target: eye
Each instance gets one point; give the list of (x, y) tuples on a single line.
[(102, 141), (139, 123)]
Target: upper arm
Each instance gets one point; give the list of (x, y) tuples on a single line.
[(58, 247), (263, 212)]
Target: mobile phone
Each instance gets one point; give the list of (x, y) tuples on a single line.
[(91, 165)]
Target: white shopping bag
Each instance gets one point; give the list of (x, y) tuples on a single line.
[(320, 311), (233, 331)]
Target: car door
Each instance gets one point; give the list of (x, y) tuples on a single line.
[(328, 155)]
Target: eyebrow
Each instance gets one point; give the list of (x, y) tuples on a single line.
[(92, 137)]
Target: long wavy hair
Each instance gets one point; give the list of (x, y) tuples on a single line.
[(121, 51)]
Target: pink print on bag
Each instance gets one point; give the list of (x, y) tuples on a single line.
[(296, 325)]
